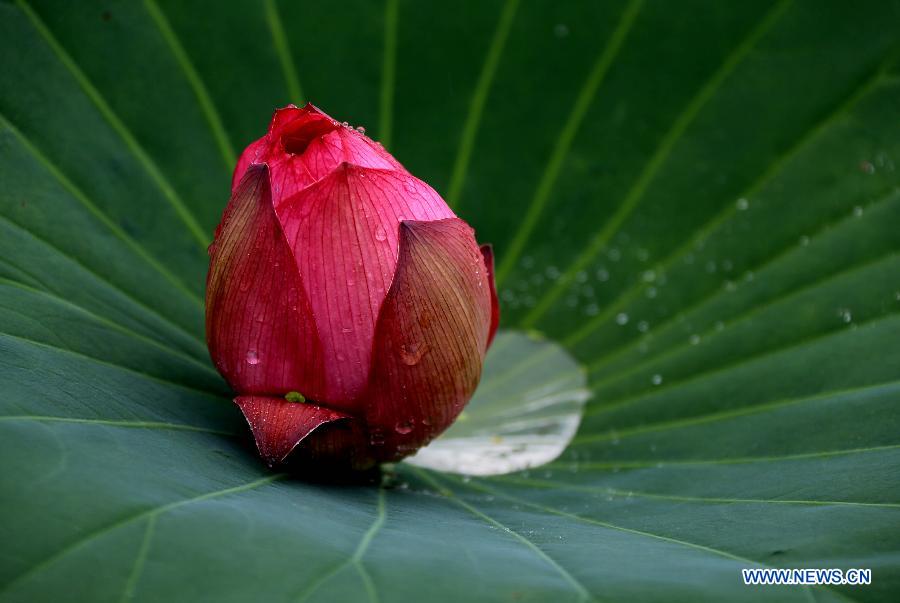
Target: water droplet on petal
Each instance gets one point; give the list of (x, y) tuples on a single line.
[(380, 234), (403, 427), (252, 358), (411, 353)]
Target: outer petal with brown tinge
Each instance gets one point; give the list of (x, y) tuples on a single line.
[(431, 337), (259, 327)]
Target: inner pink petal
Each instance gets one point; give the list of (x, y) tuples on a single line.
[(344, 234)]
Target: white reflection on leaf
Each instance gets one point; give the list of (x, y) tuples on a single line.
[(524, 413)]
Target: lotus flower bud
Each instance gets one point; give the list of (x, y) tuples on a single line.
[(346, 304)]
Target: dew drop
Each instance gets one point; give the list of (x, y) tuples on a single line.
[(695, 339), (411, 353), (858, 211), (621, 318), (380, 234), (252, 358), (656, 379), (403, 427), (742, 204), (643, 326), (376, 437)]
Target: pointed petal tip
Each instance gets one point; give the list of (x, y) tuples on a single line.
[(278, 426), (311, 108), (412, 227), (256, 170)]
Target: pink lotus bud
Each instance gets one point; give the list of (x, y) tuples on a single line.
[(346, 304)]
